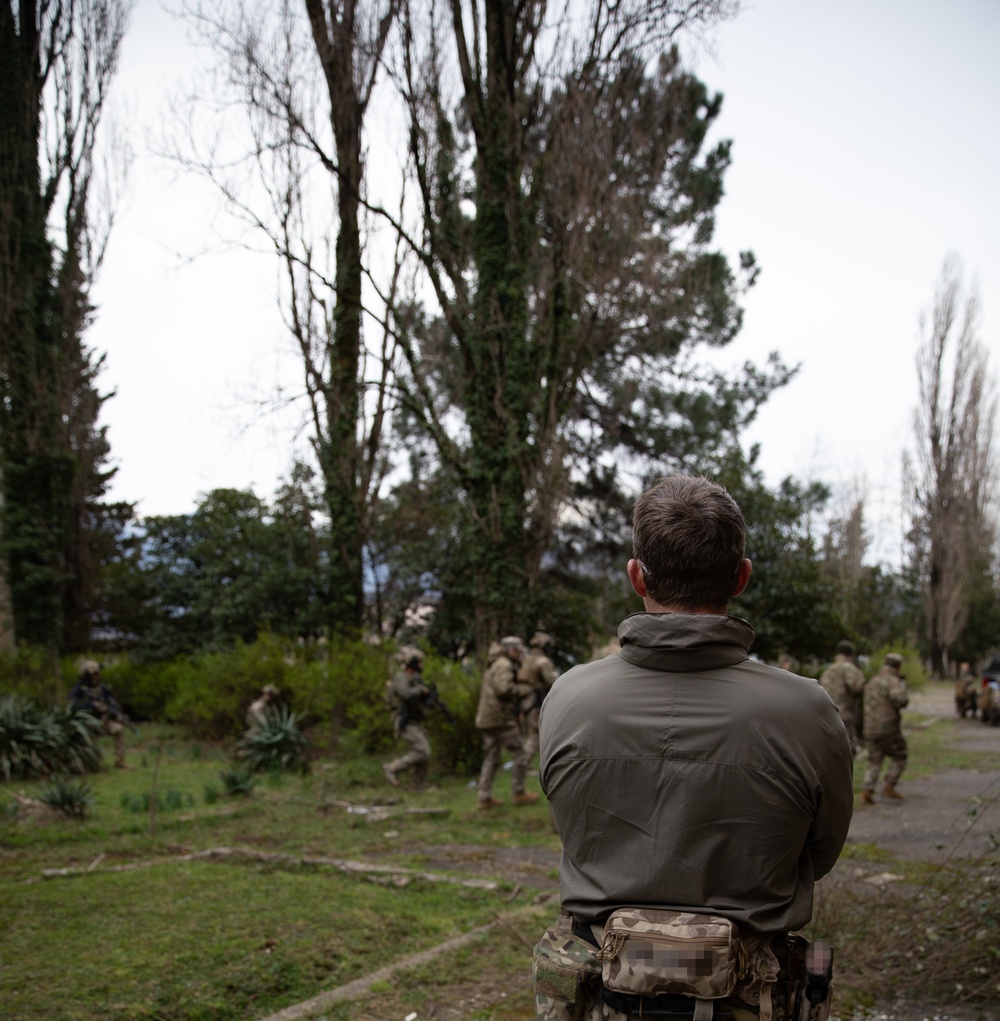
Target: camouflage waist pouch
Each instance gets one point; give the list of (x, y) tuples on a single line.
[(647, 952)]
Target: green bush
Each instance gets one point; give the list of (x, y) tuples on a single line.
[(143, 689), (275, 744), (344, 685), (35, 675), (211, 691), (37, 742), (913, 668), (456, 744)]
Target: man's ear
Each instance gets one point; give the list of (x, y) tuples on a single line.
[(635, 577), (742, 576)]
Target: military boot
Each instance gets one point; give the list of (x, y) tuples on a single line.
[(390, 774), (889, 791), (527, 798), (866, 798)]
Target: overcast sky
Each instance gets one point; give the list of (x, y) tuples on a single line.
[(865, 149)]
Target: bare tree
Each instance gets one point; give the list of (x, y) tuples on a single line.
[(844, 547), (301, 80), (954, 476)]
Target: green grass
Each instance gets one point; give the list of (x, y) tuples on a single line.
[(200, 940), (237, 939)]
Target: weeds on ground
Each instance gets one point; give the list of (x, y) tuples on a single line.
[(913, 931)]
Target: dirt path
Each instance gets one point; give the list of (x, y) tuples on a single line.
[(953, 814)]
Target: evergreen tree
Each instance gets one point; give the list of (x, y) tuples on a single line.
[(56, 63)]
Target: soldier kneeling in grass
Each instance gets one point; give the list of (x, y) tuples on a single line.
[(91, 695)]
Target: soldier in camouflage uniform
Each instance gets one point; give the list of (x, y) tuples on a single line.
[(262, 708), (538, 670), (844, 683), (966, 691), (406, 695), (497, 717), (90, 694), (885, 696)]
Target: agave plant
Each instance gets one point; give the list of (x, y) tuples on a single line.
[(72, 797), (237, 782), (38, 742), (276, 744)]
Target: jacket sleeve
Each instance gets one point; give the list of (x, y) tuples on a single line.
[(505, 682), (834, 798), (897, 694)]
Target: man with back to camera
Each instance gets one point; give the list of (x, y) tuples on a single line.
[(885, 695), (684, 777), (844, 682), (496, 718)]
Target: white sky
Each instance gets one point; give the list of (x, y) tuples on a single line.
[(865, 149)]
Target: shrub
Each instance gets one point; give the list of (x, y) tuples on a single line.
[(912, 669), (211, 691), (71, 797), (143, 689), (456, 744), (35, 675), (276, 744), (39, 743)]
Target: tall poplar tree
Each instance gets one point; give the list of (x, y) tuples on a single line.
[(57, 61)]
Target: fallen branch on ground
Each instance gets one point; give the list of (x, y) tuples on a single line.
[(287, 860)]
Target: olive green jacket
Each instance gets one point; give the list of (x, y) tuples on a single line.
[(682, 774)]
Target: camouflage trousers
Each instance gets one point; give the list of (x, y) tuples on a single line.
[(117, 732), (851, 726), (419, 755), (567, 981), (529, 733), (495, 739), (880, 748)]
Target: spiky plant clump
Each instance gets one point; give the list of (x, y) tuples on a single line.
[(38, 742), (276, 745), (71, 797), (237, 782)]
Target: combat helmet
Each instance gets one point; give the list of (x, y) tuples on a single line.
[(411, 657), (90, 668), (541, 640)]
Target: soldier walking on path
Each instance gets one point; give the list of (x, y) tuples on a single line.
[(540, 672), (844, 683), (885, 696), (497, 717), (406, 696)]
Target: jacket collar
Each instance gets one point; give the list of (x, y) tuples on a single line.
[(684, 641)]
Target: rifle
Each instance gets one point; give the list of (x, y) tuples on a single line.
[(433, 700), (109, 707)]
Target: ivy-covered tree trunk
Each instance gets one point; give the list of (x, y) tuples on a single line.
[(497, 354)]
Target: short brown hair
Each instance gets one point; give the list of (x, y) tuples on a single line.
[(689, 538)]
